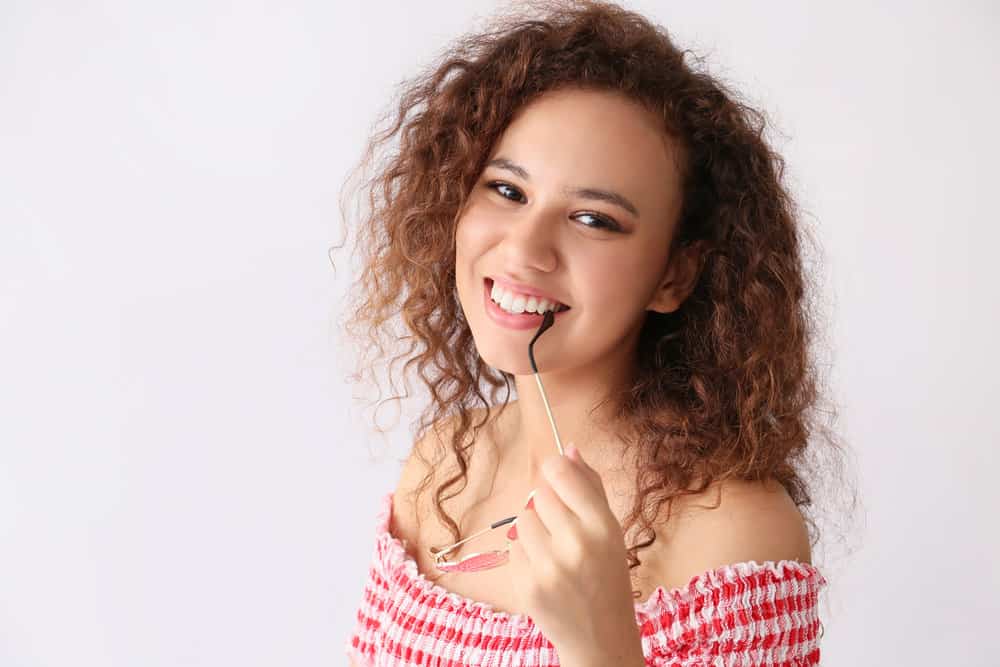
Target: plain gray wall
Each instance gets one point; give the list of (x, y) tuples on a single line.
[(185, 478)]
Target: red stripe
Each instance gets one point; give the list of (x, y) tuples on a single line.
[(384, 626)]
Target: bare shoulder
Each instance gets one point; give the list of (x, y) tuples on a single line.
[(417, 467), (427, 460), (730, 522)]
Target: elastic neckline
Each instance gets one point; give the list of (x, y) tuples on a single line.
[(660, 600)]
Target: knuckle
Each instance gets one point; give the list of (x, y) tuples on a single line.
[(555, 466), (611, 530), (576, 556), (537, 587), (546, 575)]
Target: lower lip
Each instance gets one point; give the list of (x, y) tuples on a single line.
[(510, 320)]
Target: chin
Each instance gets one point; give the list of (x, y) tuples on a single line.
[(503, 349), (513, 369), (502, 356), (504, 360)]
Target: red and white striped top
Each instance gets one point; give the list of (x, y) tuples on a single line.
[(740, 615)]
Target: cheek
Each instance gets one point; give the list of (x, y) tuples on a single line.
[(618, 288), (475, 234), (474, 229), (610, 280), (472, 241)]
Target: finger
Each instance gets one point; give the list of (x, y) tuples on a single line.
[(574, 455), (532, 532), (558, 520), (518, 563), (575, 489)]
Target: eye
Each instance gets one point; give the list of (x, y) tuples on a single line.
[(602, 221), (500, 184)]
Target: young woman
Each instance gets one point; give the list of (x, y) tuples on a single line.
[(639, 502)]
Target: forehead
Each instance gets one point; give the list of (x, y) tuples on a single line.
[(596, 138)]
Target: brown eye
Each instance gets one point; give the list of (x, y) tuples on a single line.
[(495, 185), (602, 222)]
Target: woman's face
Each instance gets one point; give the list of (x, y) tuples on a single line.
[(530, 220)]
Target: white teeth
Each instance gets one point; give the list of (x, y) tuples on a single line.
[(521, 303)]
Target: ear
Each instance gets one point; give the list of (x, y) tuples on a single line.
[(683, 268)]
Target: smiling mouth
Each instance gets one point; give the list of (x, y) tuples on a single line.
[(560, 307)]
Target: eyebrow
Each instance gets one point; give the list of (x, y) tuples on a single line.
[(597, 194)]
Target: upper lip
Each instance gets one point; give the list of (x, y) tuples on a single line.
[(521, 288)]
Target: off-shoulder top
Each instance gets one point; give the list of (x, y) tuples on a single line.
[(744, 614)]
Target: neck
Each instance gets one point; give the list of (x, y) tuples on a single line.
[(583, 413)]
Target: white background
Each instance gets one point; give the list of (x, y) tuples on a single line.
[(185, 478)]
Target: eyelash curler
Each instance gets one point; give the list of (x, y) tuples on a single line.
[(486, 560)]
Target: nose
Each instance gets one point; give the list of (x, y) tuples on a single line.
[(529, 242)]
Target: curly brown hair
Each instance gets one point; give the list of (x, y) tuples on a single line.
[(726, 387)]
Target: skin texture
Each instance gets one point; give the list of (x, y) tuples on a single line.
[(608, 264), (724, 393), (725, 388), (568, 559)]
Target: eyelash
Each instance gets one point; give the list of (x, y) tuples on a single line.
[(606, 223)]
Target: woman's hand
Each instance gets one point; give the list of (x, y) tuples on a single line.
[(568, 567)]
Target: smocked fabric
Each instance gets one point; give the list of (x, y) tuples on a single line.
[(740, 615)]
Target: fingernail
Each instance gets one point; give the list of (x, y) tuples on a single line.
[(531, 500), (512, 533)]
